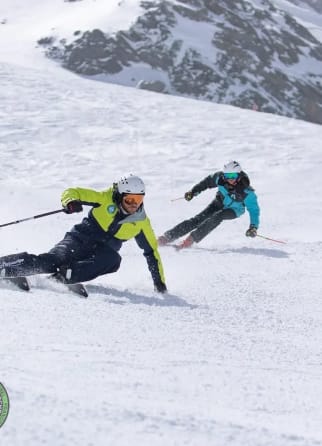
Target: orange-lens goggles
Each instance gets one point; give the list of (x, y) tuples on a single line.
[(133, 199)]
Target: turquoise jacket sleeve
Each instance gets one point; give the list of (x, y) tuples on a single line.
[(252, 207)]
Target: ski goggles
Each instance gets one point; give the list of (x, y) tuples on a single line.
[(131, 199), (231, 176)]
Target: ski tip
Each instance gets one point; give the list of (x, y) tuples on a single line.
[(19, 282), (25, 286), (84, 293), (78, 288)]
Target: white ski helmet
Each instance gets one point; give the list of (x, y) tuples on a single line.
[(130, 184), (232, 167)]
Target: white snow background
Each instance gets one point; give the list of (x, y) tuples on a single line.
[(232, 355)]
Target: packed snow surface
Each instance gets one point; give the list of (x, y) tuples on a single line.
[(232, 355)]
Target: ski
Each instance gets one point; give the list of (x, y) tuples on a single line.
[(176, 246), (77, 288), (20, 282)]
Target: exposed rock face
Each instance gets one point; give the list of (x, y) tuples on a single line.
[(226, 51), (157, 86)]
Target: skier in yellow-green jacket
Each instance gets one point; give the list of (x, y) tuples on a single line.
[(90, 248)]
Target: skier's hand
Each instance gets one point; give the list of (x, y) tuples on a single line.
[(188, 195), (160, 287), (73, 206), (251, 231)]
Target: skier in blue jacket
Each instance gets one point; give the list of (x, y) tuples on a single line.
[(233, 196)]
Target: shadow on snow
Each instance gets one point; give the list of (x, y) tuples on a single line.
[(254, 251), (166, 300)]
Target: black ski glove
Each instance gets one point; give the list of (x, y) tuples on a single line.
[(73, 206), (251, 231), (188, 195), (160, 287)]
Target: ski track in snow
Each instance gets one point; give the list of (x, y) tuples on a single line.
[(232, 355)]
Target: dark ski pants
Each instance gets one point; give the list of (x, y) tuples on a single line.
[(85, 261), (202, 223)]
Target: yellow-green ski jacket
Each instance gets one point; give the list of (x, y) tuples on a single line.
[(107, 224)]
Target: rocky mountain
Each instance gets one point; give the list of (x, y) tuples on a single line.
[(251, 54), (314, 4)]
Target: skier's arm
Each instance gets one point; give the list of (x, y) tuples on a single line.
[(207, 183), (252, 206), (147, 241), (88, 197)]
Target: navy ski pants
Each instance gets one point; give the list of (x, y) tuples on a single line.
[(86, 260)]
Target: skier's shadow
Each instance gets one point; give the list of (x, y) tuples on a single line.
[(266, 252), (165, 300)]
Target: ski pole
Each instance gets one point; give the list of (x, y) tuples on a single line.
[(176, 199), (32, 218), (271, 239)]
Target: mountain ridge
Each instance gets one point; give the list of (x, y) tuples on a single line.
[(250, 55)]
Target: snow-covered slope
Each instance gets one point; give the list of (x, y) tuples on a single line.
[(22, 24), (232, 355), (307, 5), (302, 11)]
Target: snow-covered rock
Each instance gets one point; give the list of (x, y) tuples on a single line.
[(251, 54)]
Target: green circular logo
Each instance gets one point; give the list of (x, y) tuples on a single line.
[(4, 405)]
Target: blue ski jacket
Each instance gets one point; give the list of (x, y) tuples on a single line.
[(236, 197)]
